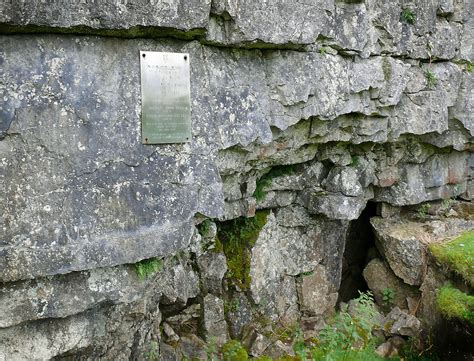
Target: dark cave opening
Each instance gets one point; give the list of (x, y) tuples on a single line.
[(359, 250)]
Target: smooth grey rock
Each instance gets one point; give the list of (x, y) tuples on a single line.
[(192, 347), (279, 23), (214, 323), (57, 297), (333, 205), (45, 339), (464, 107), (344, 180), (179, 283), (259, 345), (212, 267), (314, 293), (171, 336), (401, 248), (239, 314), (390, 348), (380, 277), (467, 47), (176, 14), (276, 256), (279, 349), (402, 323)]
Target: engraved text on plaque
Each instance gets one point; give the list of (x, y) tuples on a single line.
[(166, 104)]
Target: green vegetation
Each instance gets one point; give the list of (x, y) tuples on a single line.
[(234, 351), (266, 180), (152, 354), (453, 303), (236, 238), (388, 295), (408, 16), (323, 50), (458, 255), (205, 226), (431, 78), (349, 337), (468, 66), (231, 305), (355, 159), (422, 211), (212, 350), (148, 267)]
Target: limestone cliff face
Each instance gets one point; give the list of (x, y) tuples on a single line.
[(306, 109)]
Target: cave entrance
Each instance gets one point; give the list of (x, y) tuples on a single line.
[(360, 245)]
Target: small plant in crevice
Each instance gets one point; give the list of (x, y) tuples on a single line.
[(355, 159), (212, 351), (152, 353), (388, 295), (468, 65), (431, 79), (148, 267), (423, 210), (265, 181), (323, 50), (408, 16), (232, 305)]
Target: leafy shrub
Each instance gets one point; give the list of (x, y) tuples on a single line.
[(351, 332)]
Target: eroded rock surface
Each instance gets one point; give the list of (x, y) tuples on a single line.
[(307, 109)]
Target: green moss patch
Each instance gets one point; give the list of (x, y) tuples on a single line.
[(148, 267), (453, 303), (234, 351), (458, 255), (237, 237), (266, 180)]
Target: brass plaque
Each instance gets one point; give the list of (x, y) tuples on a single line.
[(166, 101)]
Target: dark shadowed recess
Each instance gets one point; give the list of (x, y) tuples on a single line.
[(360, 249)]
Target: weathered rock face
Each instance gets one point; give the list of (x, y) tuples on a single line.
[(309, 110)]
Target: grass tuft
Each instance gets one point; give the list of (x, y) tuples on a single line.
[(408, 16), (458, 255), (453, 303)]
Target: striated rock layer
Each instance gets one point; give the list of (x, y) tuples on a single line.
[(306, 110)]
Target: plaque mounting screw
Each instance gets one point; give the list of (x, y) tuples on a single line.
[(143, 55), (185, 57)]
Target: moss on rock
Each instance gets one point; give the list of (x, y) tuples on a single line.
[(458, 255), (454, 303), (237, 237)]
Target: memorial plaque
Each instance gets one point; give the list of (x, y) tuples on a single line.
[(166, 101)]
